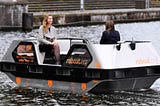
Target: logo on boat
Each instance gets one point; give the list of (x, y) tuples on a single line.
[(146, 61), (77, 61)]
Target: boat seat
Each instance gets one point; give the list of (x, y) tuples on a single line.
[(64, 46), (49, 53), (45, 48)]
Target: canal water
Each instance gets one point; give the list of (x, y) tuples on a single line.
[(11, 95)]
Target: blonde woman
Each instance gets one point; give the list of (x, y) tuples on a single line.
[(47, 33)]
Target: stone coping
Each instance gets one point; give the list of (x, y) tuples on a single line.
[(105, 11), (13, 2), (71, 18)]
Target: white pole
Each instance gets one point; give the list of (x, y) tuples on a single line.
[(147, 3), (81, 4)]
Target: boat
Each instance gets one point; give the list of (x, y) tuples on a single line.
[(85, 67)]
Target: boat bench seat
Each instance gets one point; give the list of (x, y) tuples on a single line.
[(49, 53), (64, 46), (45, 48)]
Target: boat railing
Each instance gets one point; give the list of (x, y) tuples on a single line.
[(129, 41), (132, 44)]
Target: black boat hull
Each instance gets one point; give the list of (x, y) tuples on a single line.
[(128, 84), (80, 80), (93, 86)]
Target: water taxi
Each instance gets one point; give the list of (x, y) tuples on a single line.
[(85, 67)]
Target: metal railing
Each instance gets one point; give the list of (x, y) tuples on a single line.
[(146, 4), (81, 4)]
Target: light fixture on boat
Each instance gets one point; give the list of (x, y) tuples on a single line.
[(118, 46), (132, 45)]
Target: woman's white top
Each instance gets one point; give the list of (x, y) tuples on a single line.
[(48, 37)]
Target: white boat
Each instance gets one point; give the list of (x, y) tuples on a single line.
[(85, 67)]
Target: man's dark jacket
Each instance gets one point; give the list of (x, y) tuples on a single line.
[(110, 37)]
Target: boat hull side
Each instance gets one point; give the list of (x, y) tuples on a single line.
[(94, 86), (80, 80), (128, 84), (63, 86)]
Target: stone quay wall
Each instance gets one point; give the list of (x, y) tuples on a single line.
[(11, 13), (99, 16)]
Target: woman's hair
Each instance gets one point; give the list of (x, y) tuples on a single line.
[(44, 23), (109, 25)]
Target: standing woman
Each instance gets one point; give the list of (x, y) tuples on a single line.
[(110, 35), (47, 34)]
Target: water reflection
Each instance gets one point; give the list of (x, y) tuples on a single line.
[(10, 95), (37, 97)]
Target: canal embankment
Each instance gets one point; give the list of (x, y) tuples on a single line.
[(99, 16), (15, 15)]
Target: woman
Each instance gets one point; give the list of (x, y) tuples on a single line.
[(47, 34), (110, 35)]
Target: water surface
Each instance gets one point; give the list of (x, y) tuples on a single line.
[(11, 95)]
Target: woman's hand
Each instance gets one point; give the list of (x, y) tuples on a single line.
[(52, 43)]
